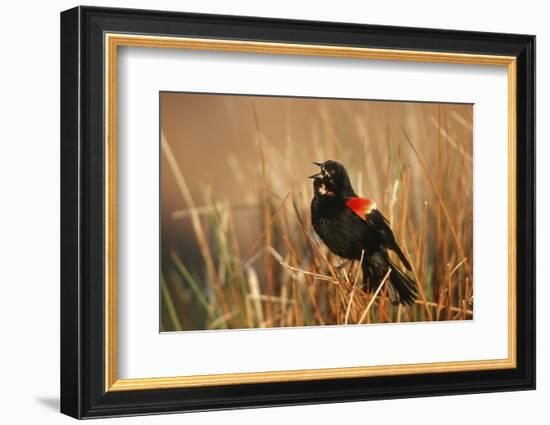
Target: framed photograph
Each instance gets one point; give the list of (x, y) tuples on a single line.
[(261, 212)]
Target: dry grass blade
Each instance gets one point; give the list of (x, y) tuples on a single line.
[(254, 286), (438, 195), (352, 293), (222, 320), (269, 223), (304, 272), (438, 306), (458, 266), (371, 302), (447, 138), (420, 287)]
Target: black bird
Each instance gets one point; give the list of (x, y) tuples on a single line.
[(350, 225)]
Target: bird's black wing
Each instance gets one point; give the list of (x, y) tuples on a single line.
[(381, 226)]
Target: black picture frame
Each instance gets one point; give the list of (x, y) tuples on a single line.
[(83, 392)]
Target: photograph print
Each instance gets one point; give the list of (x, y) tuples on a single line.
[(293, 211)]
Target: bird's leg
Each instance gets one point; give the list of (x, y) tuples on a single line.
[(341, 265)]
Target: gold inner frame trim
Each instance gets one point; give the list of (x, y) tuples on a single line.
[(113, 41)]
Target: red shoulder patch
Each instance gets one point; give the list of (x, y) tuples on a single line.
[(361, 206)]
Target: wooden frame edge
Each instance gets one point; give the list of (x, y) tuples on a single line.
[(114, 40), (306, 375)]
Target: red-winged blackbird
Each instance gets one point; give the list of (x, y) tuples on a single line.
[(349, 225)]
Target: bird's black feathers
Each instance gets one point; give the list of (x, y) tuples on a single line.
[(379, 224)]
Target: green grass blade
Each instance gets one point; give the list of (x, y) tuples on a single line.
[(170, 305), (192, 282)]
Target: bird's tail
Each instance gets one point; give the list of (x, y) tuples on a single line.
[(403, 284), (375, 268)]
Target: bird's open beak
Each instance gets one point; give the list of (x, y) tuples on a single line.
[(317, 175)]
